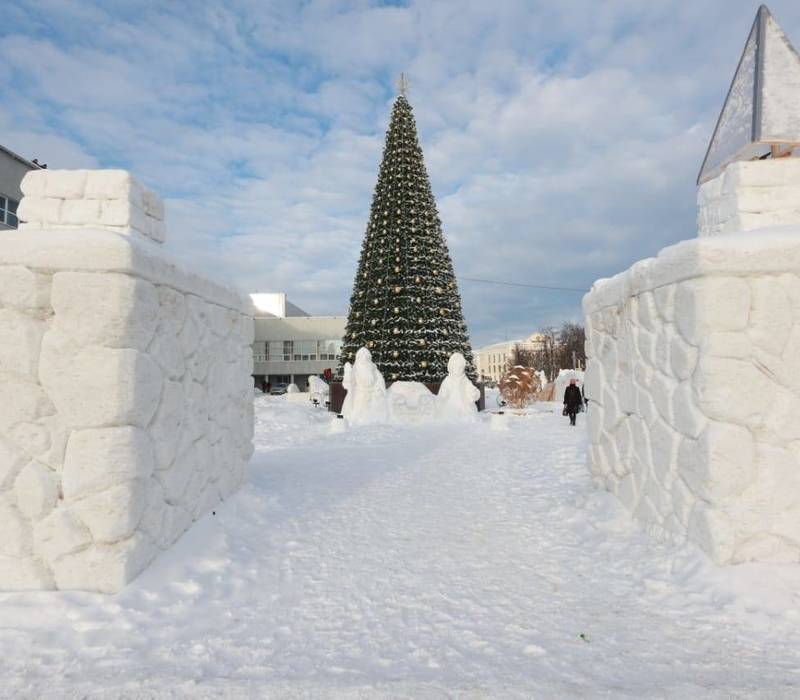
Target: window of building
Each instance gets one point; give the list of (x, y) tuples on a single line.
[(297, 350), (8, 211), (329, 349), (305, 350), (275, 350)]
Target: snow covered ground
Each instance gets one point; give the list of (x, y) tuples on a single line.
[(414, 563)]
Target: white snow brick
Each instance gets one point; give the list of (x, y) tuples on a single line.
[(647, 311), (683, 357), (34, 438), (662, 361), (683, 500), (166, 427), (770, 317), (710, 305), (16, 539), (109, 199), (713, 531), (20, 341), (65, 184), (165, 349), (721, 464), (21, 401), (736, 391), (176, 480), (96, 386), (39, 212), (98, 459), (688, 420), (661, 388), (113, 514), (25, 574), (124, 309), (76, 212), (171, 309), (594, 418), (732, 345), (108, 184), (664, 444), (60, 533), (21, 288), (12, 459), (766, 548), (750, 195), (105, 568), (665, 302), (36, 491), (34, 183), (153, 522)]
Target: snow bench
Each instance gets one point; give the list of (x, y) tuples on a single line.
[(125, 386), (693, 376)]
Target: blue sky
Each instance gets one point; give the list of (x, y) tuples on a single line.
[(562, 139)]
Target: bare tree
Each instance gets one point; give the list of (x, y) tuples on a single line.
[(521, 357), (546, 357), (571, 346)]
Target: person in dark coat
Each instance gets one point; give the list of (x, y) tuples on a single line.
[(572, 401)]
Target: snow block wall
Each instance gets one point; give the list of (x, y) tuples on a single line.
[(693, 376), (125, 386), (750, 195)]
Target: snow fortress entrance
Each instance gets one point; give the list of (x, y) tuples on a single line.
[(693, 373), (125, 387)]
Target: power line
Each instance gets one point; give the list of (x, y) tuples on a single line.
[(521, 284)]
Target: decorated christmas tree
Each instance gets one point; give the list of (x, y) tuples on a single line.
[(405, 305)]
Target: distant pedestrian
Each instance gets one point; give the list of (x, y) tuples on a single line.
[(573, 401)]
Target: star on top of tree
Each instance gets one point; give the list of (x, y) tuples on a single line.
[(402, 85)]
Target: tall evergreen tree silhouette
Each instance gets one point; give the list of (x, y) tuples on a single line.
[(405, 305)]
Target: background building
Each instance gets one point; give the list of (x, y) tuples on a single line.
[(12, 170), (290, 344), (492, 361)]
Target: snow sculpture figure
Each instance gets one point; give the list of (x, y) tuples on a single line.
[(366, 392), (317, 389), (347, 384), (410, 403), (457, 394)]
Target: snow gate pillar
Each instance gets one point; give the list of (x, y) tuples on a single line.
[(693, 376), (693, 370), (125, 386)]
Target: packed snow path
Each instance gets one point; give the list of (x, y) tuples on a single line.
[(414, 563)]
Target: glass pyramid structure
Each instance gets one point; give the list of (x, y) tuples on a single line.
[(762, 108)]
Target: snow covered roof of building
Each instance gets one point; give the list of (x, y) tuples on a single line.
[(275, 304)]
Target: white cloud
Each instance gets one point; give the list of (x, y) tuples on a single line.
[(562, 139)]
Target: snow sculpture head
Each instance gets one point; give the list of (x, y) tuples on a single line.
[(363, 356), (363, 368), (456, 365)]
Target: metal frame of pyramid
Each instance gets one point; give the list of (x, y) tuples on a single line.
[(753, 140)]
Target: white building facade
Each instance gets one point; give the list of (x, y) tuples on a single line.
[(492, 361), (290, 344)]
